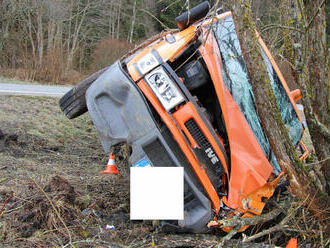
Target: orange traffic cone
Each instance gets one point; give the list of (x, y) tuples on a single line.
[(293, 243), (111, 167)]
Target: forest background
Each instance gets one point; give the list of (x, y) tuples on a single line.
[(62, 41)]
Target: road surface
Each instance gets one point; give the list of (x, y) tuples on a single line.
[(33, 90)]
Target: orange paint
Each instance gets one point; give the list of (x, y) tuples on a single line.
[(250, 169), (293, 243), (197, 168), (187, 112)]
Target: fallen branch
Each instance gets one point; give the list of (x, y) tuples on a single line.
[(240, 222), (280, 226), (191, 240), (263, 233)]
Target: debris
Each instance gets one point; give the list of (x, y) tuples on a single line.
[(109, 227), (86, 211), (293, 243)]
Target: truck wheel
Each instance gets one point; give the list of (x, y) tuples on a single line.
[(73, 103)]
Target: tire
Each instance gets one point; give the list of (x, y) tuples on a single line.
[(73, 103)]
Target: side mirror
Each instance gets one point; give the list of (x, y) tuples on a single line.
[(296, 95)]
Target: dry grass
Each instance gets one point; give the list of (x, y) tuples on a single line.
[(52, 166), (47, 145)]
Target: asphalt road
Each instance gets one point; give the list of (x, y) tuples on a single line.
[(33, 90)]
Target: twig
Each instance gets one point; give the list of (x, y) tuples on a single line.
[(5, 203), (3, 179), (271, 26), (319, 162), (154, 17), (12, 210), (53, 206), (229, 236), (327, 243), (321, 236)]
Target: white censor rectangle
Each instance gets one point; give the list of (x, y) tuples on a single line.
[(156, 193)]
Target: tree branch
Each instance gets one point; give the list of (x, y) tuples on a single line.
[(271, 26), (240, 222)]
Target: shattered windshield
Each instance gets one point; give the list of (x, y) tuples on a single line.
[(237, 82), (288, 114)]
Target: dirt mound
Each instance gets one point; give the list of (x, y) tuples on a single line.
[(6, 138), (53, 209), (61, 189)]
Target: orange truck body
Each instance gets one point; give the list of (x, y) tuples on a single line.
[(250, 169), (186, 93)]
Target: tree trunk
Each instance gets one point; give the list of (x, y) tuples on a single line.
[(75, 37), (308, 55), (318, 85), (301, 184), (30, 34), (118, 20), (40, 37), (50, 36), (318, 60), (133, 23)]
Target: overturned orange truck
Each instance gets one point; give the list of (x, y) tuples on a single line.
[(184, 99)]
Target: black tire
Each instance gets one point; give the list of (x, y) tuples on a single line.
[(73, 103)]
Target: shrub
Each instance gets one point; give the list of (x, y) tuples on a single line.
[(108, 51)]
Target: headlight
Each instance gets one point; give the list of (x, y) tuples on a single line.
[(164, 88)]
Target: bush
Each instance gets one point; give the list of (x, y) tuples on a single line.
[(108, 51)]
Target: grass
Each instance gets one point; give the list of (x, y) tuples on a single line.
[(14, 81), (49, 144), (4, 80)]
